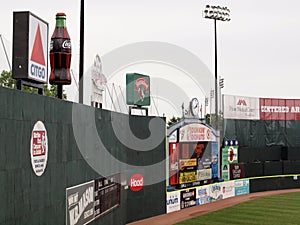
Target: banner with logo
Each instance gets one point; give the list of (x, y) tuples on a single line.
[(88, 201), (202, 195), (173, 201), (242, 187), (236, 171), (228, 189), (216, 192), (241, 107), (279, 109), (195, 132), (251, 108), (188, 198), (80, 204)]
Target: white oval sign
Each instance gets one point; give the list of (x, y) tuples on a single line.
[(39, 148)]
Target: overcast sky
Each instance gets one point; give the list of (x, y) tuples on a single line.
[(258, 50)]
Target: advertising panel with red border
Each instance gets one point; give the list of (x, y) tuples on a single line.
[(250, 108), (279, 109)]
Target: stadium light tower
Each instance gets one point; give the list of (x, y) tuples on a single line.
[(221, 14)]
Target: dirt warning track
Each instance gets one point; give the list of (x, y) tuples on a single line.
[(185, 214)]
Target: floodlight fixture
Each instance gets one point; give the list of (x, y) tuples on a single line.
[(221, 14)]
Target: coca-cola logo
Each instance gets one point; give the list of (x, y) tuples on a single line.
[(136, 182), (66, 44)]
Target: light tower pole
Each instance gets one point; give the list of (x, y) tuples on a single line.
[(221, 14)]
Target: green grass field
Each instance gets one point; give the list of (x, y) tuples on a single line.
[(283, 209)]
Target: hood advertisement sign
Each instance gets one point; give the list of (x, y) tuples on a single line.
[(30, 48), (248, 108), (137, 89), (136, 182)]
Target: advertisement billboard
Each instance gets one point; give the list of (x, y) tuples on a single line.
[(173, 201), (228, 189), (188, 198), (195, 132), (30, 48), (39, 148), (279, 109), (107, 194), (137, 89), (251, 108), (88, 201), (216, 192), (80, 204), (241, 107), (242, 187), (202, 195), (236, 171)]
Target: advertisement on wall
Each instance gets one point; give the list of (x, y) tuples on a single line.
[(39, 148), (174, 164), (228, 189), (279, 109), (225, 164), (107, 194), (88, 201), (232, 154), (191, 162), (229, 156), (202, 195), (236, 171), (242, 187), (187, 177), (216, 192), (80, 204), (250, 108), (204, 174), (194, 132), (215, 160), (173, 201), (137, 89), (188, 198), (241, 107), (136, 182)]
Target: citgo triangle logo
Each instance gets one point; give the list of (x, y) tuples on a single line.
[(37, 54)]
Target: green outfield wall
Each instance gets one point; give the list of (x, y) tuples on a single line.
[(31, 199)]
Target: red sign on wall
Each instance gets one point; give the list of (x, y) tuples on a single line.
[(136, 182), (39, 143), (279, 109)]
